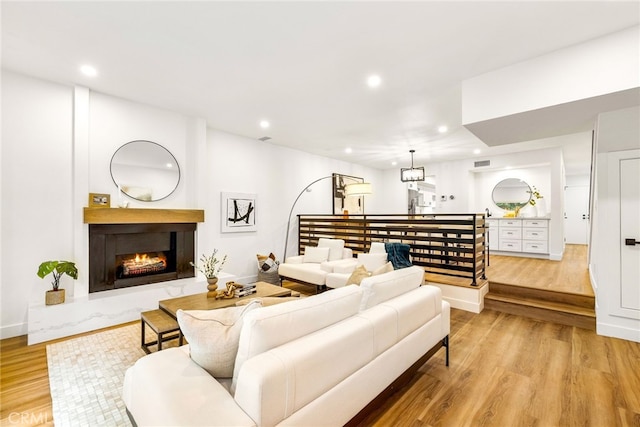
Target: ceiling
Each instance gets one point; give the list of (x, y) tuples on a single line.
[(303, 65)]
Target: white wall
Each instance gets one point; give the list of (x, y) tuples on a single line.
[(574, 73), (616, 131), (57, 142), (36, 190)]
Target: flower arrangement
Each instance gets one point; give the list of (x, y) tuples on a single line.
[(210, 265), (535, 195)]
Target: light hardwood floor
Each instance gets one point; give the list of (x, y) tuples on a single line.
[(505, 370), (569, 275)]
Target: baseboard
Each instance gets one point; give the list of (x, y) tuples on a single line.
[(617, 331), (14, 330)]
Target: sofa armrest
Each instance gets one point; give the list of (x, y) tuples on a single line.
[(297, 259), (168, 388)]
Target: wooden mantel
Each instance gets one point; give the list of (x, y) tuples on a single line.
[(141, 216)]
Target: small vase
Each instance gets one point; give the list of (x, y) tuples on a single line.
[(212, 286), (54, 297)]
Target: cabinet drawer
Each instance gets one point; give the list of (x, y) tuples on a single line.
[(535, 246), (511, 245), (510, 233), (535, 234), (535, 223), (510, 223), (492, 223)]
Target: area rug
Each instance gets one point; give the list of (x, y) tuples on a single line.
[(86, 376)]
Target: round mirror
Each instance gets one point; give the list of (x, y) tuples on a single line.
[(511, 194), (145, 171)]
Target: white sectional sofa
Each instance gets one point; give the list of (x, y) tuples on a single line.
[(313, 266), (316, 361)]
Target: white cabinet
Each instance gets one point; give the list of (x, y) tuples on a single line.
[(519, 235), (493, 234)]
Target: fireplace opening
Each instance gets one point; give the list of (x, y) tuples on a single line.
[(136, 265), (124, 255)]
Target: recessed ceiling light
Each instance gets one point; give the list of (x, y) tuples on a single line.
[(264, 124), (169, 165), (88, 70), (477, 151), (443, 129), (374, 80), (348, 150), (394, 163)]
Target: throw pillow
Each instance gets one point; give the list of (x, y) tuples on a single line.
[(213, 336), (267, 263), (315, 254), (358, 275), (372, 261), (388, 267), (336, 247)]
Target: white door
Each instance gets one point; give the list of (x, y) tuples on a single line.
[(576, 216), (630, 232)]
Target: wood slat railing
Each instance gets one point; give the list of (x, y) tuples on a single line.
[(446, 244)]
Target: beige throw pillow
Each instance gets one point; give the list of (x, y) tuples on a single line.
[(358, 274), (384, 269), (213, 336)]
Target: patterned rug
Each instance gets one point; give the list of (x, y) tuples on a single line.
[(86, 376)]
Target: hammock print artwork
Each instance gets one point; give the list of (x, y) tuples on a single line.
[(238, 212)]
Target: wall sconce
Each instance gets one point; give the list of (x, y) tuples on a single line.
[(412, 174)]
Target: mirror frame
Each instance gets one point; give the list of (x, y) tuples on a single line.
[(155, 145), (511, 205)]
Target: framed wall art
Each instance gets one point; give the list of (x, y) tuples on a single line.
[(98, 200), (343, 205), (238, 212)]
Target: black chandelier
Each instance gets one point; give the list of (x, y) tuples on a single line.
[(412, 174)]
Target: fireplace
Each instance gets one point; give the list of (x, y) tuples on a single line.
[(124, 255)]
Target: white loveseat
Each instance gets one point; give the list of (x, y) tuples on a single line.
[(313, 266), (316, 361)]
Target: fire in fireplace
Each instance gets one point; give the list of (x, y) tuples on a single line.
[(134, 265)]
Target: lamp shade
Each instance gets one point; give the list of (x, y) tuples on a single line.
[(359, 189)]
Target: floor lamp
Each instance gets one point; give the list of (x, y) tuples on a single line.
[(358, 189)]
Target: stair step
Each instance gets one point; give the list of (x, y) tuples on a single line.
[(566, 308), (564, 314), (535, 294)]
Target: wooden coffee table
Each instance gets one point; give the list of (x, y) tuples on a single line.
[(201, 302)]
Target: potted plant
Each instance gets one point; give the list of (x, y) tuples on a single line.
[(57, 268), (210, 266)]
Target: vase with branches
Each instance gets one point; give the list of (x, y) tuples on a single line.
[(210, 266)]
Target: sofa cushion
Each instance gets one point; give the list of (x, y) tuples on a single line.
[(335, 247), (358, 274), (213, 336), (377, 247), (383, 287), (372, 261), (275, 325), (314, 254), (305, 272)]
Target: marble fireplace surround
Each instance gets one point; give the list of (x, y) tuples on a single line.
[(85, 312)]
